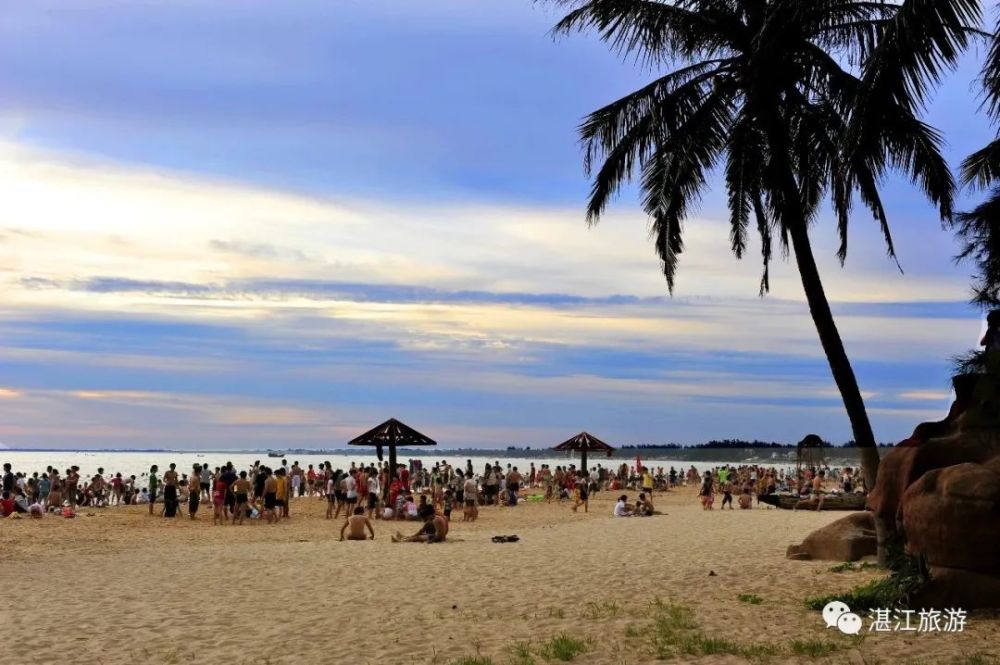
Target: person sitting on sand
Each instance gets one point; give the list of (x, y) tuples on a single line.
[(357, 523), (622, 508), (746, 498), (434, 530), (7, 505), (643, 506)]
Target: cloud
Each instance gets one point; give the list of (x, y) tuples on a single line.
[(137, 290)]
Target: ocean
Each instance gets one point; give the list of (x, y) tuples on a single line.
[(138, 463)]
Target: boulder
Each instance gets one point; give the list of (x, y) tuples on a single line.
[(951, 516), (958, 588), (848, 539), (902, 466)]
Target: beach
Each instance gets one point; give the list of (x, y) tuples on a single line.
[(116, 585)]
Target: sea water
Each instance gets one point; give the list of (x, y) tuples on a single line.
[(138, 463)]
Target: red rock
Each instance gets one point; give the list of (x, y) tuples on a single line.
[(848, 539), (951, 516), (900, 467), (957, 588)]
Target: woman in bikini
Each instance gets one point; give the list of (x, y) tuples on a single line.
[(220, 515)]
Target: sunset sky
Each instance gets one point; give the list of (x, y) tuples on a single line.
[(262, 224)]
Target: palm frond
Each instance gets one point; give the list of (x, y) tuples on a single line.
[(981, 169), (979, 231), (654, 32)]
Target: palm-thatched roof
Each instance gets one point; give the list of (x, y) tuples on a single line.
[(811, 441), (392, 434), (585, 442)]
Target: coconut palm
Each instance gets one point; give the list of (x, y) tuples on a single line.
[(793, 103), (979, 228)]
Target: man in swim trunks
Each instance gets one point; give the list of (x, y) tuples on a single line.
[(471, 496), (154, 485), (350, 489), (70, 485), (241, 490), (205, 482), (726, 488), (357, 523), (170, 502), (194, 490), (270, 495), (434, 530)]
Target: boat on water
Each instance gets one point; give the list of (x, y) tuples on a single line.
[(275, 453), (851, 501)]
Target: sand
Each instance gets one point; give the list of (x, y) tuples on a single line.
[(119, 586)]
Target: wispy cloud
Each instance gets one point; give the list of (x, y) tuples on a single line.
[(136, 290)]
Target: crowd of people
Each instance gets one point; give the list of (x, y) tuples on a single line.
[(364, 492)]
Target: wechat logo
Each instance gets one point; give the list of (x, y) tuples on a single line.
[(838, 615)]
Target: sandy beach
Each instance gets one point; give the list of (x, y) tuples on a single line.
[(118, 586)]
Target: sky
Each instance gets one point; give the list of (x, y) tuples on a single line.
[(274, 225)]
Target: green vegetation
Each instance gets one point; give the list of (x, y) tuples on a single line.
[(813, 647), (520, 654), (604, 610), (894, 590), (562, 647), (473, 660), (751, 598), (675, 631), (976, 659), (852, 567)]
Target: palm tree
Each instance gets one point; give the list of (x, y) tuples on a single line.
[(796, 102), (979, 228)]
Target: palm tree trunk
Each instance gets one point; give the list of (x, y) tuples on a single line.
[(819, 307), (833, 346)]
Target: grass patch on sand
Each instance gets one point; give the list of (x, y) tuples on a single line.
[(813, 648), (892, 591), (520, 654), (563, 648), (473, 660), (850, 566), (751, 598), (976, 659), (675, 632), (603, 610)]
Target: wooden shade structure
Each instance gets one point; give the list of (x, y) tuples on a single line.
[(809, 452), (585, 443), (391, 434)]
